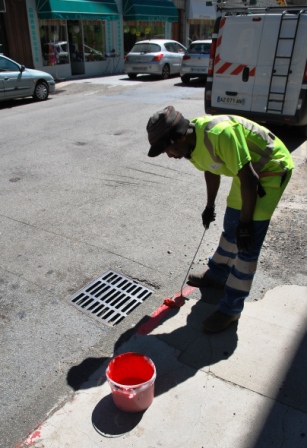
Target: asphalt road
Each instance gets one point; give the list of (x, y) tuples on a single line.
[(79, 196)]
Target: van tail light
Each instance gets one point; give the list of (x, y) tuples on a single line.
[(305, 73), (126, 58), (186, 57), (212, 57), (158, 57)]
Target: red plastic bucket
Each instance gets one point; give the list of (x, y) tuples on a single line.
[(131, 377)]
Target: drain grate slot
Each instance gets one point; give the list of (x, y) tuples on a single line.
[(110, 298)]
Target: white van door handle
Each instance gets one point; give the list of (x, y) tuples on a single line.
[(245, 74)]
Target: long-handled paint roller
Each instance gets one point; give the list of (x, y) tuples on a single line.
[(178, 300)]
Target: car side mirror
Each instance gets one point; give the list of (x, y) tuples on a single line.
[(22, 68)]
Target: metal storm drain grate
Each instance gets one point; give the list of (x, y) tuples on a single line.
[(110, 298)]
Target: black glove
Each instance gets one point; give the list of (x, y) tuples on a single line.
[(208, 215), (245, 235)]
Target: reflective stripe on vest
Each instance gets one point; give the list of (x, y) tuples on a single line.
[(265, 154)]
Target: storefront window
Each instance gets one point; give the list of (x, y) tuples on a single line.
[(53, 36), (94, 40), (136, 31), (75, 40), (200, 29)]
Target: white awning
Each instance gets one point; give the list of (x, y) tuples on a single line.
[(199, 11)]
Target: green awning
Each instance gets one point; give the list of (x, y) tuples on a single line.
[(150, 10), (77, 9)]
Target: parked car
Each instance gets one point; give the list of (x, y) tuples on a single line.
[(16, 81), (55, 53), (160, 57), (195, 62)]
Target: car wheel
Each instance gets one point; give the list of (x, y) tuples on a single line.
[(41, 91), (165, 71), (185, 79), (132, 75)]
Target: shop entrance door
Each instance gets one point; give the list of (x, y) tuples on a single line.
[(75, 39)]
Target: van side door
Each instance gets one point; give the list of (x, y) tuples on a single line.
[(235, 62), (281, 63), (265, 63), (298, 63)]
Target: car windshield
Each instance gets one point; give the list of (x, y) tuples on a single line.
[(199, 48), (146, 48), (64, 46)]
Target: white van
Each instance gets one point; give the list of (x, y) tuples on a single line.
[(258, 65)]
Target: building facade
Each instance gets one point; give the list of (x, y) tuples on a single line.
[(200, 19), (91, 38)]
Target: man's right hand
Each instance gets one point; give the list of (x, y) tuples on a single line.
[(208, 216)]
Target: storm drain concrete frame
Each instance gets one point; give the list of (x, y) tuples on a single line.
[(110, 298)]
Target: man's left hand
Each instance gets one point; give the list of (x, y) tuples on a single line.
[(245, 235)]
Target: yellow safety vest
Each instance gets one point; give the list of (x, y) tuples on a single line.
[(224, 144)]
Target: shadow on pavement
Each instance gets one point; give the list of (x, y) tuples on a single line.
[(195, 83), (292, 390), (148, 78), (194, 350), (78, 375), (18, 102), (290, 136), (198, 350), (109, 421)]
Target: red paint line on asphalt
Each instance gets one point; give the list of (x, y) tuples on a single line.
[(162, 311), (33, 438)]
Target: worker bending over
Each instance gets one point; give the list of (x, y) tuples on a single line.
[(261, 167)]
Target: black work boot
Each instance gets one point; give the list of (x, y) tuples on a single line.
[(202, 280)]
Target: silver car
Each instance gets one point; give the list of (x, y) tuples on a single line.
[(195, 62), (160, 57), (57, 52), (16, 81)]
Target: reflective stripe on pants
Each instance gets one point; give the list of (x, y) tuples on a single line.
[(236, 269)]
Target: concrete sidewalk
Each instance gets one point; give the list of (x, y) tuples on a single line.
[(243, 388)]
